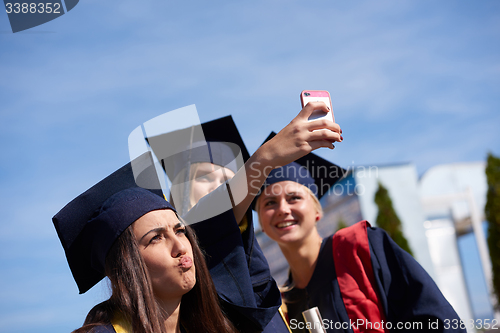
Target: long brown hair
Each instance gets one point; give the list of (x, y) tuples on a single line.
[(132, 294)]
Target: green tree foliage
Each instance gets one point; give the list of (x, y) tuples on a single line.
[(387, 218), (492, 212), (341, 224)]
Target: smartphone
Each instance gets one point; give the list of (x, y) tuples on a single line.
[(307, 96)]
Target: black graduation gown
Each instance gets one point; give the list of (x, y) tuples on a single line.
[(406, 293)]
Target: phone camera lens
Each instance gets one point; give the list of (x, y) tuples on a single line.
[(307, 94)]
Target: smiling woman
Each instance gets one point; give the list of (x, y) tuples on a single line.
[(281, 208), (358, 275)]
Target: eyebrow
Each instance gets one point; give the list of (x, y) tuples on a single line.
[(161, 229), (275, 196), (155, 230), (269, 197)]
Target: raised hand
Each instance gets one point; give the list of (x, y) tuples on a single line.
[(295, 140), (300, 137)]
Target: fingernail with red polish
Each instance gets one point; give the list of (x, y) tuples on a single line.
[(341, 138)]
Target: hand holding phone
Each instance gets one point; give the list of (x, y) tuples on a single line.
[(307, 96)]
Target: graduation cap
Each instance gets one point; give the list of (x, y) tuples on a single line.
[(90, 224), (218, 142), (312, 171)]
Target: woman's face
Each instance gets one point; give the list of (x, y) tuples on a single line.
[(167, 253), (287, 212), (207, 178)]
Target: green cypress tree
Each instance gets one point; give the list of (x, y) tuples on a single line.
[(492, 213), (341, 224), (387, 218)]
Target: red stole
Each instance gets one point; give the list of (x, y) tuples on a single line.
[(351, 255)]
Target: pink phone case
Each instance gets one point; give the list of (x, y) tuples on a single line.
[(315, 93), (307, 96)]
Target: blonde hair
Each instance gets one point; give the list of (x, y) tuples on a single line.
[(316, 203), (177, 192)]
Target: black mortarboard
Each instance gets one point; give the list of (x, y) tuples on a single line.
[(312, 171), (217, 141), (89, 225)]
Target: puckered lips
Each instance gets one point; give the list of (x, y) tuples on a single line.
[(186, 263)]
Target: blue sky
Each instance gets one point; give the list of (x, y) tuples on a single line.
[(411, 81)]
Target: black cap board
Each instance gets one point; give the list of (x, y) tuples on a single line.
[(199, 143)]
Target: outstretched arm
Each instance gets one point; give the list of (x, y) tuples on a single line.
[(295, 140)]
